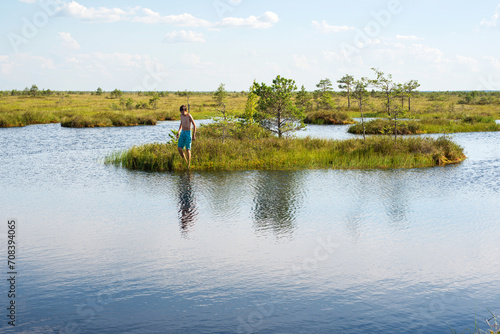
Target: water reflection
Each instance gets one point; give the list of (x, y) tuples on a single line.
[(277, 201), (384, 274), (395, 191), (226, 193), (187, 203)]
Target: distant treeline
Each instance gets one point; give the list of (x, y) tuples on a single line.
[(34, 91), (465, 97)]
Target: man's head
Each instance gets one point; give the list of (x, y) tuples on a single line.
[(183, 109)]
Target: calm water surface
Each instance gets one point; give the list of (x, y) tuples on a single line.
[(106, 250)]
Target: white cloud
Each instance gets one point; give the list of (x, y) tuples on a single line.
[(47, 63), (100, 66), (183, 36), (343, 57), (25, 61), (492, 22), (5, 65), (331, 55), (122, 60), (27, 1), (194, 60), (148, 16), (471, 62), (184, 20), (390, 53), (103, 14), (426, 53), (42, 62), (327, 28), (137, 14), (111, 70), (266, 20), (301, 62), (252, 53), (408, 38), (68, 41), (493, 61)]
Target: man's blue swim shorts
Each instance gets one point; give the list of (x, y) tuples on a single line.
[(185, 140)]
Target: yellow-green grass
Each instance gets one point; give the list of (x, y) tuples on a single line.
[(23, 110), (426, 105), (427, 125), (86, 110), (292, 153)]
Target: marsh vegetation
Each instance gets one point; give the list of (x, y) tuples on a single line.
[(427, 125), (379, 97), (249, 126), (249, 147)]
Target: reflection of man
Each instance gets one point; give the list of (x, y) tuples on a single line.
[(187, 203)]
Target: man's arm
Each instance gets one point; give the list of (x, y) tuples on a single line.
[(194, 127), (179, 131)]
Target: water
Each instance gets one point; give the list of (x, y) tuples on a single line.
[(106, 250)]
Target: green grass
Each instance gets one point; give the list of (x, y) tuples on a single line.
[(427, 125), (271, 153), (328, 117)]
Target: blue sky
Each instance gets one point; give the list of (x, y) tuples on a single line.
[(196, 45)]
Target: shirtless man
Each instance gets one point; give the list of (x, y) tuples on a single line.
[(185, 134)]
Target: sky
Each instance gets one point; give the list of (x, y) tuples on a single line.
[(197, 45)]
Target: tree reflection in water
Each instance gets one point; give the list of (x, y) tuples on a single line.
[(187, 203), (277, 201), (395, 192)]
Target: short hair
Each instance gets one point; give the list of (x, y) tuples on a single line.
[(183, 107)]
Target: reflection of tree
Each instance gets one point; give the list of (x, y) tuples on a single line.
[(396, 198), (187, 203), (377, 191), (276, 201), (226, 193)]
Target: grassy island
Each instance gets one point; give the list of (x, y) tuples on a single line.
[(324, 117), (109, 119), (248, 148), (427, 125)]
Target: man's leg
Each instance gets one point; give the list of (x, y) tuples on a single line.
[(188, 157), (181, 152)]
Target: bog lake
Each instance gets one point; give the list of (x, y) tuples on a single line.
[(101, 249)]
